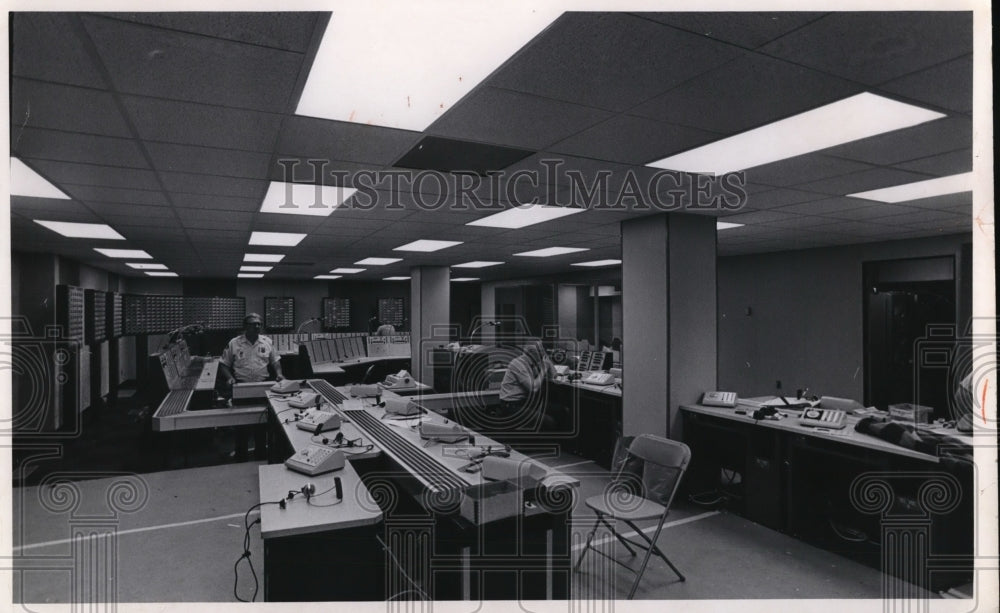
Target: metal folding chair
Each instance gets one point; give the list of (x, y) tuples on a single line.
[(631, 498)]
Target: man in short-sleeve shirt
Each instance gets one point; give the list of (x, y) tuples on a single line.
[(247, 356)]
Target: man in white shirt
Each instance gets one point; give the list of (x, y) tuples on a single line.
[(247, 357)]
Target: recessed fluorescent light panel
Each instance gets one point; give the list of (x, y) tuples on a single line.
[(458, 279), (847, 120), (145, 266), (263, 257), (526, 215), (395, 278), (378, 261), (81, 230), (328, 277), (256, 268), (726, 225), (427, 245), (921, 189), (464, 42), (132, 254), (304, 199), (347, 271), (161, 274), (26, 182), (551, 251), (250, 275), (595, 263), (477, 264), (276, 239)]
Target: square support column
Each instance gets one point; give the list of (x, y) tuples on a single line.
[(430, 299), (669, 348)]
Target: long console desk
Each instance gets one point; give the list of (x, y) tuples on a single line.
[(595, 417), (907, 513), (445, 533)]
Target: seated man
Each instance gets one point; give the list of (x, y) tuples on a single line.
[(521, 397), (247, 357)]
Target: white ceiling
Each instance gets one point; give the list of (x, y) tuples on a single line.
[(168, 127)]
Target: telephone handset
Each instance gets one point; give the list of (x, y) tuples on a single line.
[(719, 399), (823, 418), (400, 380), (599, 378)]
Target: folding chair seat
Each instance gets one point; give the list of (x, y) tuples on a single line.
[(630, 498)]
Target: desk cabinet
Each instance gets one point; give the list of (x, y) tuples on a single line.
[(908, 516), (594, 421)]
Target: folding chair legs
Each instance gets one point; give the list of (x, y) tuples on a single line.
[(651, 542), (590, 537), (650, 548)]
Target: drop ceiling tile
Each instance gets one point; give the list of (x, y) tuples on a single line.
[(874, 47), (225, 203), (163, 232), (632, 140), (502, 117), (71, 147), (46, 46), (948, 85), (865, 213), (862, 229), (961, 201), (781, 197), (749, 92), (749, 30), (89, 174), (213, 185), (756, 217), (802, 169), (63, 107), (135, 214), (204, 160), (456, 156), (948, 225), (77, 214), (829, 205), (289, 31), (309, 137), (803, 222), (27, 205), (167, 64), (931, 138), (611, 61), (295, 169), (951, 163), (112, 194), (171, 121), (862, 181), (924, 215)]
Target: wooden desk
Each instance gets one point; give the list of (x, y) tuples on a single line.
[(842, 490)]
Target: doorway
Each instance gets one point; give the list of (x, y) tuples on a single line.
[(906, 303)]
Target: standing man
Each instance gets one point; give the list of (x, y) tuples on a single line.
[(247, 357)]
